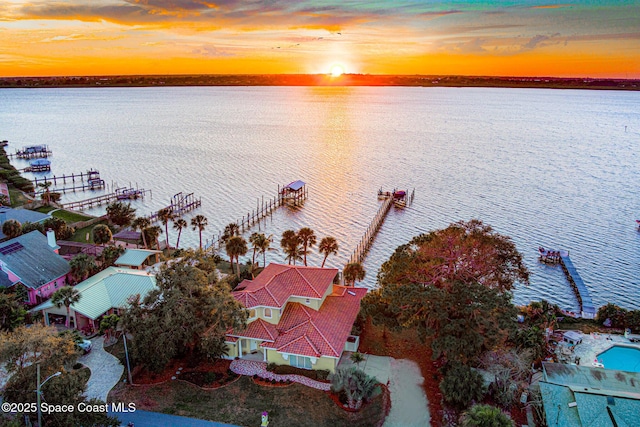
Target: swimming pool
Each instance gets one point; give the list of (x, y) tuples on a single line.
[(621, 358)]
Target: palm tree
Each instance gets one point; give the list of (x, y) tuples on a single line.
[(66, 296), (353, 273), (109, 255), (179, 224), (12, 228), (485, 416), (255, 239), (165, 215), (120, 213), (81, 266), (355, 383), (308, 239), (152, 234), (199, 222), (290, 243), (231, 229), (328, 245), (235, 247), (47, 195), (101, 234), (141, 223), (357, 358), (265, 246)]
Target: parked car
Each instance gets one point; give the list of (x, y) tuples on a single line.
[(85, 346)]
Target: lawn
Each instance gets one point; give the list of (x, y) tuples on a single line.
[(70, 217), (81, 234), (243, 401)]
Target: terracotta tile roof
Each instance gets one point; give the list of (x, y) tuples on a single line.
[(259, 330), (307, 332), (277, 282)]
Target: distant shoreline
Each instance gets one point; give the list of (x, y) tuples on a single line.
[(346, 80)]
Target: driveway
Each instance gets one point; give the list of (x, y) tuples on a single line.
[(409, 405), (106, 370)]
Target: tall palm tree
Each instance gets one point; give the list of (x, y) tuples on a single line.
[(47, 194), (290, 243), (235, 247), (255, 239), (265, 246), (141, 223), (199, 222), (179, 224), (328, 245), (353, 273), (66, 296), (101, 234), (12, 228), (165, 215), (308, 238), (152, 234), (230, 230)]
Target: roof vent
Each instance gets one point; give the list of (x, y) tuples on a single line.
[(611, 401), (573, 404), (351, 293)]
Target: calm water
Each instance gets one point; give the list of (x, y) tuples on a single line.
[(546, 167)]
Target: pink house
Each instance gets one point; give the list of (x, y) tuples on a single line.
[(31, 261)]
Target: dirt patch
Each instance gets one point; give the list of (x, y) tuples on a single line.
[(206, 374), (407, 345)]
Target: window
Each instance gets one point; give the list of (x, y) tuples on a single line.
[(252, 313), (300, 361), (267, 312)]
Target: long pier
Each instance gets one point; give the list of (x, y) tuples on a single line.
[(180, 204), (119, 194), (587, 309), (287, 195), (89, 180), (367, 239)]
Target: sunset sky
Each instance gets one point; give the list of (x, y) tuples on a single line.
[(505, 38)]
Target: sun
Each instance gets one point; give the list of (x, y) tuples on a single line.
[(337, 70)]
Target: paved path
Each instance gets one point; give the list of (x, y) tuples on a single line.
[(155, 419), (409, 406), (106, 370)]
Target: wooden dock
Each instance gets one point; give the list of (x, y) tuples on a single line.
[(587, 309), (89, 180), (367, 239), (119, 194), (180, 204), (288, 195), (32, 152)]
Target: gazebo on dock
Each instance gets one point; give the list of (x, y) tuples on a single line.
[(294, 192)]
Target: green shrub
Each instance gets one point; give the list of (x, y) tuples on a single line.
[(461, 385)]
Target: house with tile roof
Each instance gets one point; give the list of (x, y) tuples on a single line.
[(32, 262), (297, 317), (105, 293)]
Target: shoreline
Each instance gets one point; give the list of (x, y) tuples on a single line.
[(345, 80)]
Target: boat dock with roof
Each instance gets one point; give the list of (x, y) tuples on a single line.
[(32, 152), (587, 309), (82, 181)]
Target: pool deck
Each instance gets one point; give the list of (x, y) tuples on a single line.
[(595, 343)]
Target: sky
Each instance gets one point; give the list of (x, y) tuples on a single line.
[(597, 39)]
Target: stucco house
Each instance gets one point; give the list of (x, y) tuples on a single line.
[(298, 317), (104, 293), (32, 262)]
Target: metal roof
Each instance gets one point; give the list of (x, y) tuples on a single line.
[(36, 264), (135, 257), (20, 215), (111, 288), (295, 185)]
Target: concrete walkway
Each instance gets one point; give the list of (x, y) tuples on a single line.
[(409, 405), (106, 370)]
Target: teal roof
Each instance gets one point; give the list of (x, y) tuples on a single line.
[(601, 396), (111, 288), (135, 257)]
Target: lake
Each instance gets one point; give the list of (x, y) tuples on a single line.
[(557, 168)]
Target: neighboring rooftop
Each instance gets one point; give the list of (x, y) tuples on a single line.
[(32, 259), (577, 396), (20, 215), (135, 257), (110, 288)]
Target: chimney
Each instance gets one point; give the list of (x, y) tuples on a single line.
[(51, 240)]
